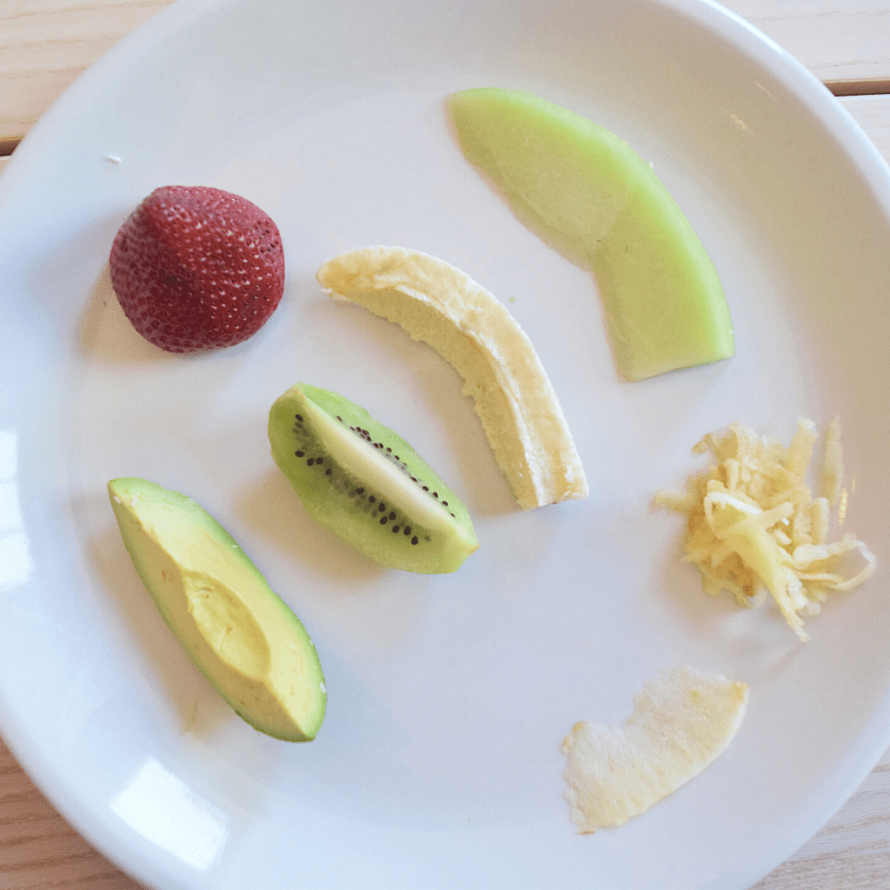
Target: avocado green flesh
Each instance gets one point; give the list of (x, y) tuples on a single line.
[(354, 476), (589, 195), (245, 640)]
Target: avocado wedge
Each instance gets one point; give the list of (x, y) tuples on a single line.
[(245, 640)]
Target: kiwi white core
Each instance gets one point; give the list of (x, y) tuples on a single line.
[(363, 462)]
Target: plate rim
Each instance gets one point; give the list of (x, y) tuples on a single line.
[(168, 22)]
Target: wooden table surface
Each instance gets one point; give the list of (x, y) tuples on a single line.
[(44, 44)]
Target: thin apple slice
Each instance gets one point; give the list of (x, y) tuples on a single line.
[(589, 195), (682, 721), (442, 306)]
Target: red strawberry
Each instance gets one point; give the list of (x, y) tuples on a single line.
[(197, 268)]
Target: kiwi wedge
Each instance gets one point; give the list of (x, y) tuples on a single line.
[(365, 483)]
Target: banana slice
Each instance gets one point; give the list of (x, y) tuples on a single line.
[(682, 721), (442, 306)]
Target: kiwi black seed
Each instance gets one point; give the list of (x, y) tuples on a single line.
[(369, 503)]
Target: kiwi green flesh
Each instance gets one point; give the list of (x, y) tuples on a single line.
[(364, 482)]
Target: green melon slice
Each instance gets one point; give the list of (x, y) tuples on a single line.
[(589, 195)]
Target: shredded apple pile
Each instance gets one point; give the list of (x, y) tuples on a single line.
[(754, 525)]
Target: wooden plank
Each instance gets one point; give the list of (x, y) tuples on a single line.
[(872, 113), (852, 852), (845, 43), (35, 69), (38, 849)]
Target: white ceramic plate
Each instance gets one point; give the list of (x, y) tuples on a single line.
[(439, 764)]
